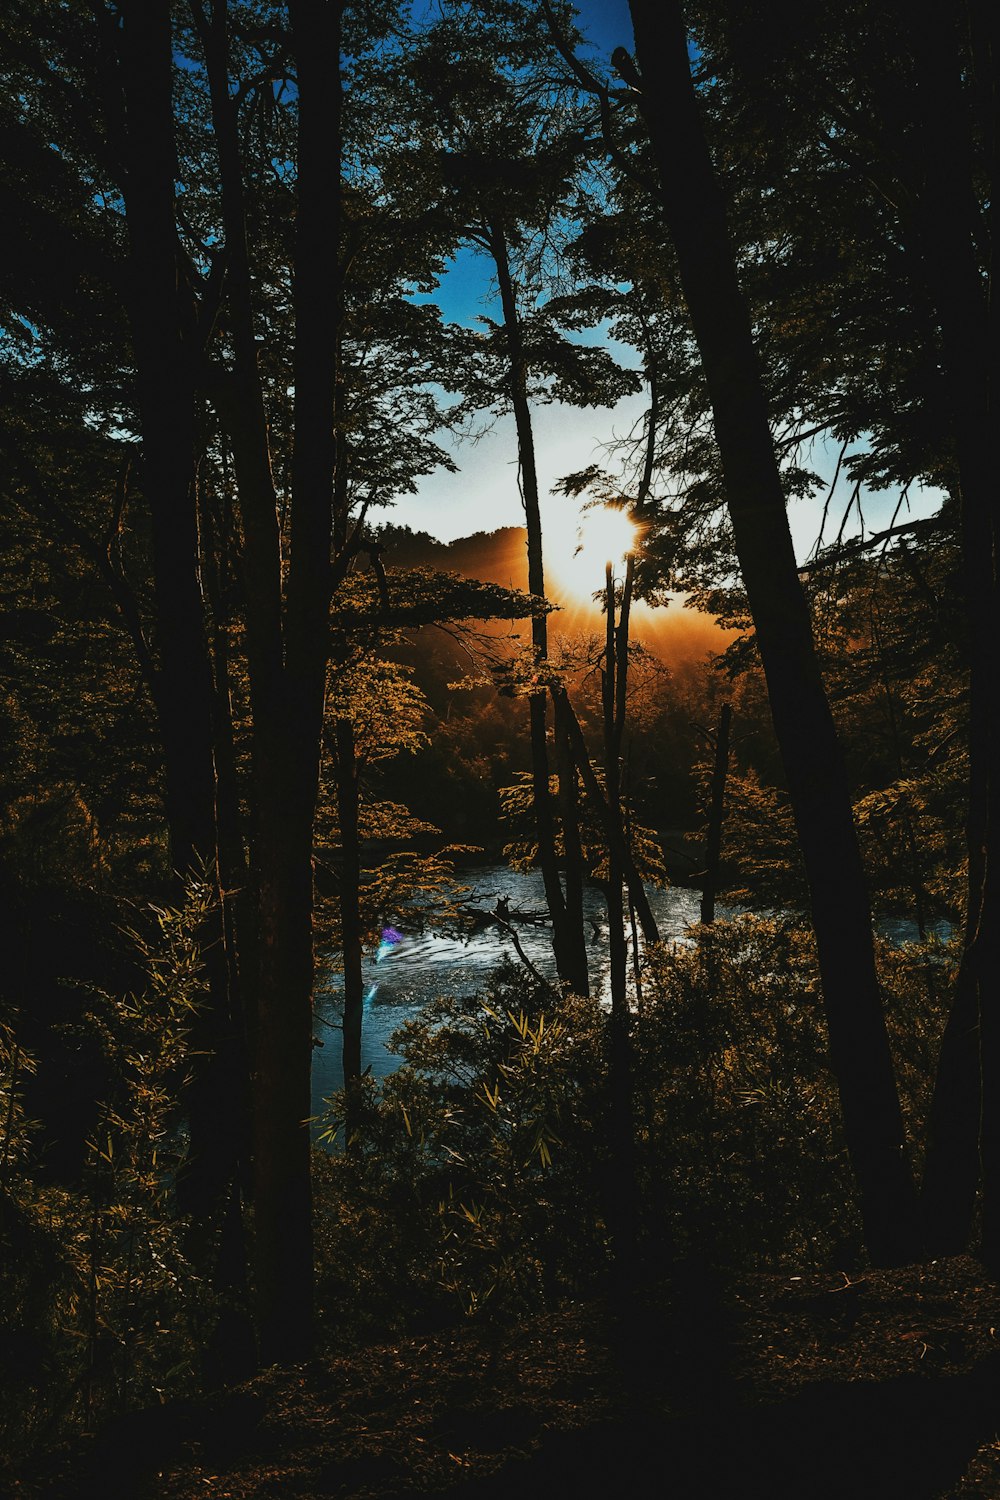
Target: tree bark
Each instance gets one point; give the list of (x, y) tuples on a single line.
[(287, 654), (817, 781), (611, 826), (617, 952), (282, 1024), (568, 940), (622, 1133), (165, 371), (283, 1195), (573, 863), (715, 815), (945, 225), (349, 882), (166, 362)]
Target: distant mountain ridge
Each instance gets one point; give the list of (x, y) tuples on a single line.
[(675, 634), (494, 556)]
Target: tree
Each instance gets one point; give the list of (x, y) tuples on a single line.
[(165, 343), (695, 216), (881, 119), (314, 468), (510, 168), (374, 714)]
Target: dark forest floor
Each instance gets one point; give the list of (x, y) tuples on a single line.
[(884, 1383)]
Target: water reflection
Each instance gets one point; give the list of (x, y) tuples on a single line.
[(408, 969)]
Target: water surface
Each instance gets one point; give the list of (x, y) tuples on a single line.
[(412, 968), (406, 973)]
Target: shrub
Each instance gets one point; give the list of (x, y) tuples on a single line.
[(477, 1181), (100, 1307), (480, 1178), (742, 1141)]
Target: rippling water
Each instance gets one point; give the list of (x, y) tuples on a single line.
[(405, 974)]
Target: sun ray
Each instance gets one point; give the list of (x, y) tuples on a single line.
[(578, 553)]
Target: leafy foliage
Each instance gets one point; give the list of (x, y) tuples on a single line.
[(521, 851), (420, 596), (477, 1180), (482, 1179), (483, 1183), (99, 1304)]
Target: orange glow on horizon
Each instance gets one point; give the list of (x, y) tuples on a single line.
[(674, 634), (581, 549)]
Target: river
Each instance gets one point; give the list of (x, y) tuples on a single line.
[(412, 967)]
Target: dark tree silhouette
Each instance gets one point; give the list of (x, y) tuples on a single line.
[(695, 216)]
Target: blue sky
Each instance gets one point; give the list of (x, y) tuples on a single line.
[(607, 24), (483, 494)]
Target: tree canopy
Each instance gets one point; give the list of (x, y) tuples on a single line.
[(242, 696)]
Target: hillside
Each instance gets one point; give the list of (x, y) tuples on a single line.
[(677, 635)]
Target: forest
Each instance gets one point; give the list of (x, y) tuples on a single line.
[(507, 1011)]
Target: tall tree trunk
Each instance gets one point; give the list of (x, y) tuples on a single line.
[(611, 826), (713, 848), (568, 940), (283, 1196), (945, 226), (622, 1134), (235, 875), (612, 780), (166, 404), (348, 806), (573, 862), (284, 803), (817, 781), (282, 1104), (165, 364)]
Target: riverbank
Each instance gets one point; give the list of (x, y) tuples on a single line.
[(869, 1384)]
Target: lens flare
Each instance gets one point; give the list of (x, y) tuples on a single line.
[(390, 937), (607, 535)]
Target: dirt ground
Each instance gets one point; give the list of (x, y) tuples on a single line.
[(882, 1384)]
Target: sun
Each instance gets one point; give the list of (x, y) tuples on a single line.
[(602, 534), (607, 535)]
